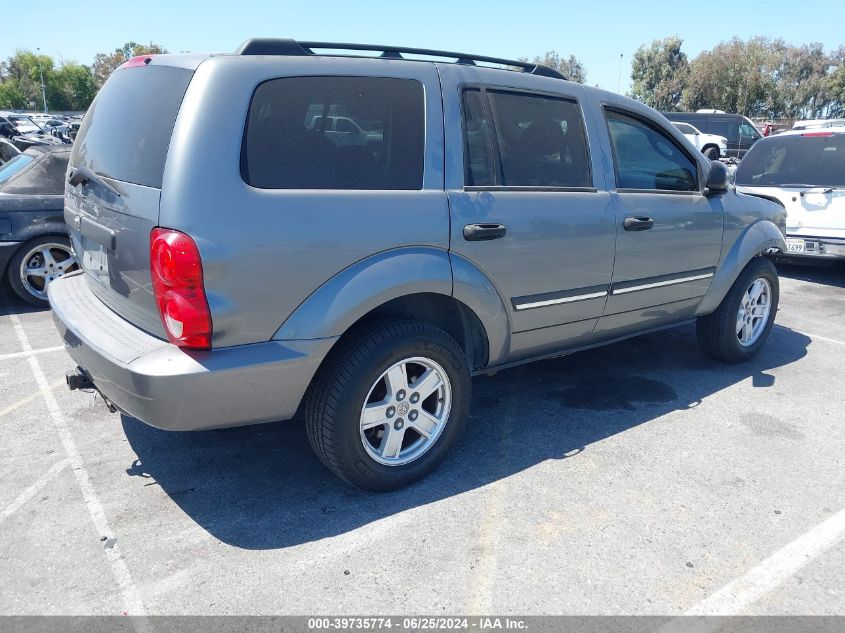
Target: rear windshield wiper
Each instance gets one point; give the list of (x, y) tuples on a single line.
[(82, 175)]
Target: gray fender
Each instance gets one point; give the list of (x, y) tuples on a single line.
[(476, 291), (342, 300), (755, 240), (371, 282)]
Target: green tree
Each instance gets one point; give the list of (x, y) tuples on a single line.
[(835, 84), (106, 63), (659, 73), (570, 67), (736, 76)]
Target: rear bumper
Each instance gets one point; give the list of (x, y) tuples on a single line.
[(818, 247), (170, 388)]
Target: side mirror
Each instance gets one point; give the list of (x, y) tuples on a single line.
[(717, 179)]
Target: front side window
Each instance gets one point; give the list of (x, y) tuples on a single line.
[(748, 131), (685, 128), (541, 141), (335, 133), (647, 159)]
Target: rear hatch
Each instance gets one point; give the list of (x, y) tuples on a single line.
[(114, 185), (806, 173)]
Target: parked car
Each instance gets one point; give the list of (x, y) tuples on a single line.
[(813, 124), (739, 131), (240, 266), (23, 132), (710, 145), (34, 247), (805, 172)]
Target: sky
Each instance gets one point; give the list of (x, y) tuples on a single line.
[(596, 32)]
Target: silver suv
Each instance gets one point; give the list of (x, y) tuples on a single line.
[(247, 258)]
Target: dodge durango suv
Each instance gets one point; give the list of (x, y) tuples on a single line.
[(243, 259)]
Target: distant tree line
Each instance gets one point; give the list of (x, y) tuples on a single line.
[(68, 85), (760, 77)]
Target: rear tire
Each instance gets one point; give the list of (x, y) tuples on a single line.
[(741, 324), (38, 262), (389, 404), (711, 153)]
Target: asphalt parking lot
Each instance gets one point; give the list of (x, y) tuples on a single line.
[(641, 478)]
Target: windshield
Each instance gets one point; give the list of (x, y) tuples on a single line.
[(25, 122), (796, 160), (14, 166)]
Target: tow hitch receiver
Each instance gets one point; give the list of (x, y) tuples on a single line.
[(78, 379)]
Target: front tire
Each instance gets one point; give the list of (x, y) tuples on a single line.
[(741, 324), (711, 153), (389, 404)]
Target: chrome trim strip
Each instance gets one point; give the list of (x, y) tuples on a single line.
[(551, 302), (658, 284)]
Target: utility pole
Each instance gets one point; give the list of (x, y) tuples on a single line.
[(619, 85), (41, 73)]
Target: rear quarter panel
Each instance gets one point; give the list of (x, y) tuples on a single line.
[(265, 251)]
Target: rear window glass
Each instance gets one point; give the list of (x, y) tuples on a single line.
[(126, 132), (795, 160), (335, 133), (15, 165), (724, 127), (46, 176)]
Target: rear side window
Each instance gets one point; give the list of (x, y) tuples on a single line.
[(479, 166), (126, 132), (729, 128), (335, 133), (795, 160), (648, 159), (541, 141)]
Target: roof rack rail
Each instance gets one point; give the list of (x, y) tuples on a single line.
[(281, 46)]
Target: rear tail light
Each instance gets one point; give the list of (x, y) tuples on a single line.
[(176, 270)]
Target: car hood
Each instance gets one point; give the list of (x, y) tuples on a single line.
[(816, 213)]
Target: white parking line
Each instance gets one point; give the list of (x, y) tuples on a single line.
[(32, 490), (822, 338), (27, 400), (734, 597), (30, 352), (132, 599)]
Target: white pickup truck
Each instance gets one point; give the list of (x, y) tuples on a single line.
[(711, 145)]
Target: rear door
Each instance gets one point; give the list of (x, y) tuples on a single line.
[(668, 234), (525, 208), (114, 185)]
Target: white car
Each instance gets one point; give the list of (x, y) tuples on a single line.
[(710, 145), (805, 172)]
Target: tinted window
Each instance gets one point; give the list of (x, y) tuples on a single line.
[(747, 130), (14, 166), (541, 141), (46, 176), (126, 132), (647, 159), (685, 128), (378, 142), (729, 128), (479, 167), (794, 160)]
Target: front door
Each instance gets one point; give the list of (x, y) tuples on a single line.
[(668, 234), (525, 210)]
